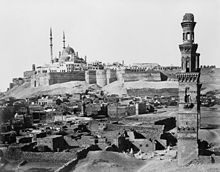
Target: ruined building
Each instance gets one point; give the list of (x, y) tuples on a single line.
[(189, 94)]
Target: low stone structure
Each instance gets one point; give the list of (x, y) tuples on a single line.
[(54, 142)]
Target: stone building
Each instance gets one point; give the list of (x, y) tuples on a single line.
[(53, 142), (189, 94), (68, 66)]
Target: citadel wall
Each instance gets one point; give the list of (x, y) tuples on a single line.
[(135, 75), (120, 74), (101, 79), (111, 75), (90, 76), (59, 77), (46, 79), (40, 79)]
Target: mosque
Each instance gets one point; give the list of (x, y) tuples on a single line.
[(67, 61), (68, 66)]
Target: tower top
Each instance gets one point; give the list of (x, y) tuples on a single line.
[(188, 17), (50, 32), (188, 26), (190, 59)]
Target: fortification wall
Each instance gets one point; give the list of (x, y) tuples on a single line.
[(120, 74), (101, 78), (90, 76), (40, 79), (135, 75), (59, 77), (111, 75), (151, 92)]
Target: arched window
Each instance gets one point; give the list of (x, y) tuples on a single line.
[(188, 36)]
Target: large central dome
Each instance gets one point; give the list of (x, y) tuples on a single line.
[(68, 51)]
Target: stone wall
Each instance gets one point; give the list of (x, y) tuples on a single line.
[(45, 79), (120, 111), (187, 150), (111, 76), (59, 77), (90, 76), (119, 74), (101, 79), (133, 75), (28, 74), (148, 132), (40, 79), (151, 92)]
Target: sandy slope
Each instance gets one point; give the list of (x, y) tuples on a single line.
[(25, 90), (166, 165), (120, 88), (101, 161)]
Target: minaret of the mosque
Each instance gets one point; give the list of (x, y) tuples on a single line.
[(64, 41), (189, 95), (51, 45)]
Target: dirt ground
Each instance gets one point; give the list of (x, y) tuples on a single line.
[(171, 166), (162, 161), (101, 161), (31, 167)]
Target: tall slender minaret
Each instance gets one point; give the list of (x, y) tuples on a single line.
[(188, 117), (64, 40), (51, 45)]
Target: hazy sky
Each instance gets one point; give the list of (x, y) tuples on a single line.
[(106, 30)]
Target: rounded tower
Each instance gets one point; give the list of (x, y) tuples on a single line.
[(190, 59)]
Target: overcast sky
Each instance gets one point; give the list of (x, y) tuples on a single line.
[(106, 30)]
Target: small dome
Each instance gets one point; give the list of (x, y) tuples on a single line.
[(68, 51), (188, 17)]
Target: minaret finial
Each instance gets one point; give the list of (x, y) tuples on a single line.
[(51, 45), (64, 40)]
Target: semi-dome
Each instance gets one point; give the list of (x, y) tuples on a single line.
[(188, 17)]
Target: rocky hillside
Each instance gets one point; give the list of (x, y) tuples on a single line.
[(25, 91), (210, 79)]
